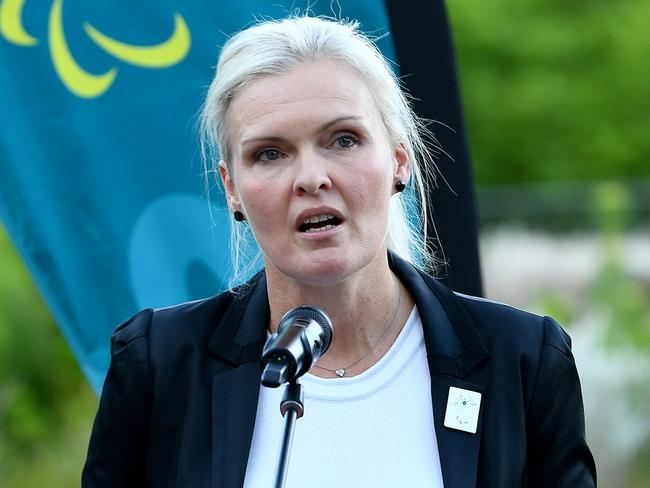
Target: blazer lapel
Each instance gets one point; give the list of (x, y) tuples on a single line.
[(454, 350), (238, 342), (458, 450), (234, 399)]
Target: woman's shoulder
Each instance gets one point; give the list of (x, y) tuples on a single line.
[(513, 334), (163, 337), (508, 325), (501, 327), (174, 319), (186, 317)]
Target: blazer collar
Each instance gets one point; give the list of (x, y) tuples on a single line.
[(238, 341), (455, 350), (454, 347), (453, 343), (240, 336)]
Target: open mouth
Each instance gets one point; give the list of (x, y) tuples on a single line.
[(318, 223)]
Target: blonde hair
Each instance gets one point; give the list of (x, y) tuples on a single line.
[(274, 47)]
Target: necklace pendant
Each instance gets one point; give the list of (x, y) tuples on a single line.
[(340, 373)]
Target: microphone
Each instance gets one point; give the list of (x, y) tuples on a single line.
[(304, 335)]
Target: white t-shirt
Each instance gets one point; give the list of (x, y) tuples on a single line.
[(375, 429)]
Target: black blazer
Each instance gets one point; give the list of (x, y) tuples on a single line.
[(180, 398)]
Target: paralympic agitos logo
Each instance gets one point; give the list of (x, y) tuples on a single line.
[(75, 78)]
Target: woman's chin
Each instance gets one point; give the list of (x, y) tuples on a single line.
[(318, 269)]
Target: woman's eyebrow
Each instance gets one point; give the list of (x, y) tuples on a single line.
[(324, 127), (341, 118), (252, 140)]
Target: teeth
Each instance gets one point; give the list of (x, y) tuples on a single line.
[(327, 227), (318, 218)]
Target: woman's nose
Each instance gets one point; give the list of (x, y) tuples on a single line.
[(311, 176)]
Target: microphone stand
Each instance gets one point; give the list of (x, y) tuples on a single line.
[(292, 408)]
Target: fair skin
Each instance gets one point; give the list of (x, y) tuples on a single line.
[(311, 143)]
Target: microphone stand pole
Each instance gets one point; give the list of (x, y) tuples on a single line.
[(292, 408)]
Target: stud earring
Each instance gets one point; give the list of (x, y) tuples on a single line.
[(400, 186), (238, 216)]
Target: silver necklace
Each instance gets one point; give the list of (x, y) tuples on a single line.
[(341, 372)]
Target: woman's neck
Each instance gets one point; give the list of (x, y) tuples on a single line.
[(367, 309)]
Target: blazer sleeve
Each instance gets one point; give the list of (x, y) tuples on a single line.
[(117, 454), (558, 455)]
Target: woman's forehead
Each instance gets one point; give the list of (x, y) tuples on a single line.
[(311, 94)]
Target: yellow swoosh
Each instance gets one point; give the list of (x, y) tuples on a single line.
[(160, 55), (75, 78), (11, 27)]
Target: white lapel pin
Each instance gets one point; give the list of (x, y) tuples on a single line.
[(463, 407)]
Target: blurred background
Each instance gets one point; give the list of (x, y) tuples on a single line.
[(557, 101)]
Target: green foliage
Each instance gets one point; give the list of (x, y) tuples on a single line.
[(612, 207), (625, 299), (46, 405), (641, 473), (555, 89), (556, 306)]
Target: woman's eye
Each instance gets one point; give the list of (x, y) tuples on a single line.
[(268, 155), (346, 141)]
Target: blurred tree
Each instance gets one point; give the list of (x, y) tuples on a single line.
[(627, 301), (623, 304), (46, 405), (555, 89)]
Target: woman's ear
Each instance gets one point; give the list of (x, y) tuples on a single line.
[(403, 164), (229, 185)]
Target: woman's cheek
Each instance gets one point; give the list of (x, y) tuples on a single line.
[(368, 190), (262, 201)]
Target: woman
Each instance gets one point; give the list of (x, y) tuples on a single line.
[(420, 387)]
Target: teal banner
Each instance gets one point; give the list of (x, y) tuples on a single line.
[(101, 184)]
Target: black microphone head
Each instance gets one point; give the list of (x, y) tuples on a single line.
[(307, 313)]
